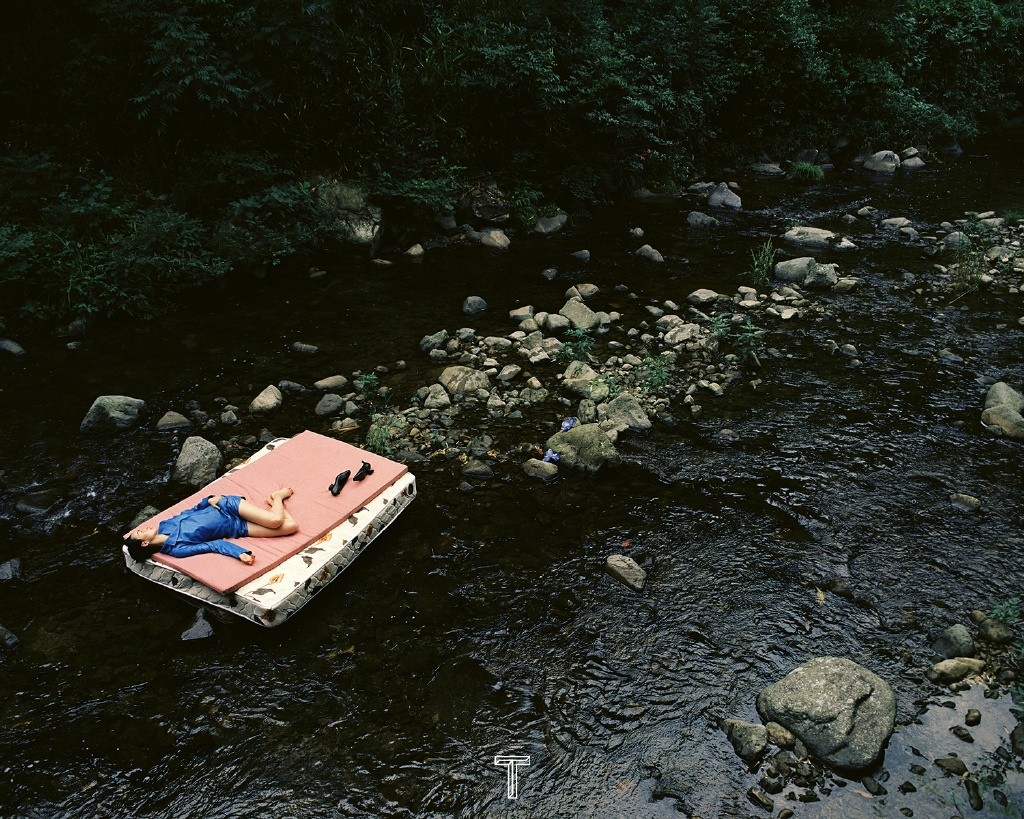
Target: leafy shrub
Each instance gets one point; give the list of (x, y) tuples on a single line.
[(577, 348), (805, 173), (762, 262)]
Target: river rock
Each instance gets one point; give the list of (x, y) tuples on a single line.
[(1002, 414), (536, 468), (304, 349), (171, 421), (473, 305), (701, 221), (267, 401), (626, 570), (748, 739), (546, 225), (703, 296), (625, 412), (913, 163), (883, 162), (332, 383), (112, 412), (817, 239), (648, 252), (579, 314), (436, 398), (580, 378), (840, 710), (954, 669), (459, 380), (434, 341), (585, 446), (955, 240), (200, 628), (12, 347), (965, 503), (821, 277), (329, 404), (8, 639), (10, 569), (496, 238), (475, 468), (955, 641), (794, 270), (722, 196), (199, 462), (995, 631)]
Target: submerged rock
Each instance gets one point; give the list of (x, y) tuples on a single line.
[(748, 739), (883, 162), (626, 570), (842, 712)]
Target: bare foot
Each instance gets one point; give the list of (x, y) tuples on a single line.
[(282, 494), (247, 558)]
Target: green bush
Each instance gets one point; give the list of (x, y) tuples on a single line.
[(805, 173)]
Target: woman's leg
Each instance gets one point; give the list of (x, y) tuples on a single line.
[(274, 521)]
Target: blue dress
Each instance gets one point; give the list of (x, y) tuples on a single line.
[(202, 529)]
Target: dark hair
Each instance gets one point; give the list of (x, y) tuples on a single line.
[(139, 550)]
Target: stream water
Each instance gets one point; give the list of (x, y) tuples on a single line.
[(482, 622)]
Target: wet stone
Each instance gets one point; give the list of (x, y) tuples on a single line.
[(761, 799), (10, 569), (951, 765), (960, 732), (873, 786), (973, 717), (974, 794)]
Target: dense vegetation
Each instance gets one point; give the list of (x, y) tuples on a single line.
[(151, 144)]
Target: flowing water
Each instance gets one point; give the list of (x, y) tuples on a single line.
[(482, 623)]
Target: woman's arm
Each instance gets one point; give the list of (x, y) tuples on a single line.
[(221, 547)]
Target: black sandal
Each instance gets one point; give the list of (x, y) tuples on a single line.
[(364, 470), (339, 482)]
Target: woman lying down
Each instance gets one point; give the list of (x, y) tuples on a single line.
[(203, 528)]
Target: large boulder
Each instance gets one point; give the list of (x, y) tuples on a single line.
[(357, 221), (584, 446), (1002, 414), (459, 380), (198, 463), (841, 711), (112, 412)]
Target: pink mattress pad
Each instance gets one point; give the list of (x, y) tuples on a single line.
[(308, 463)]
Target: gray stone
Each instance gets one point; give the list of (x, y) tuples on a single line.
[(951, 765), (966, 503), (543, 470), (199, 462), (171, 421), (546, 225), (954, 670), (304, 349), (267, 401), (722, 196), (626, 570), (333, 383), (581, 255), (585, 446), (913, 163), (329, 404), (701, 221), (579, 314), (200, 628), (10, 569), (459, 380), (437, 398), (955, 641), (434, 341), (12, 347), (476, 468), (794, 270), (496, 238), (703, 296), (580, 378), (956, 240), (883, 162), (519, 314), (821, 277), (112, 412), (625, 412), (840, 710), (995, 631), (473, 305), (811, 237), (557, 323), (358, 220), (648, 252), (748, 739), (1002, 414), (8, 639)]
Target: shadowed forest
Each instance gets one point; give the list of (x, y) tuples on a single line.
[(152, 145)]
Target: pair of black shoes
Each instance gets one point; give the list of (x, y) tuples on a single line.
[(342, 479)]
